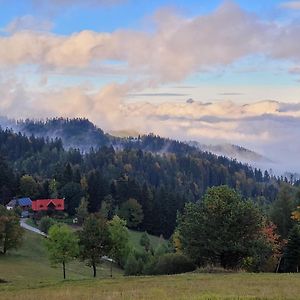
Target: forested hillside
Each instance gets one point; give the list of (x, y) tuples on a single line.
[(160, 174)]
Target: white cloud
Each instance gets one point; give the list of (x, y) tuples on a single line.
[(176, 49), (269, 127), (28, 22), (291, 5)]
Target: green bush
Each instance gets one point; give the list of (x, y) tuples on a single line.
[(45, 224), (131, 266), (173, 263)]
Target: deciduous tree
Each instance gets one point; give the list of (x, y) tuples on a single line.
[(11, 232), (62, 245), (119, 238), (219, 229), (94, 241), (132, 212)]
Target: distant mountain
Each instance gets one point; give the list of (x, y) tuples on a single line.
[(82, 134), (124, 133), (232, 151), (76, 133)]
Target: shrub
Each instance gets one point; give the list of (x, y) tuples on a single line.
[(173, 263), (45, 224), (131, 266)]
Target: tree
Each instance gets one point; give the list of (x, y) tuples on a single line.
[(53, 188), (72, 193), (97, 189), (292, 253), (282, 210), (296, 214), (132, 212), (220, 229), (145, 241), (119, 238), (266, 251), (82, 211), (108, 207), (132, 265), (11, 233), (28, 186), (94, 241), (45, 224), (62, 245), (7, 181)]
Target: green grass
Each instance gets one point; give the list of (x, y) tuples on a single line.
[(30, 277), (188, 287), (29, 266), (30, 222), (135, 236)]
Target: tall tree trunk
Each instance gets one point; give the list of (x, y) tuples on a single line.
[(64, 269), (111, 268), (4, 245), (94, 270)]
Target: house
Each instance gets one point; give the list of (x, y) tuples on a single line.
[(48, 205), (24, 203)]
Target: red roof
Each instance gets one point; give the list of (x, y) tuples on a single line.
[(46, 204)]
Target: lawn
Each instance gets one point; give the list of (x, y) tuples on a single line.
[(29, 266), (30, 277), (188, 286)]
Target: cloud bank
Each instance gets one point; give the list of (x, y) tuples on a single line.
[(269, 127), (177, 48)]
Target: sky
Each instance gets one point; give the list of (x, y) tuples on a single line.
[(212, 71)]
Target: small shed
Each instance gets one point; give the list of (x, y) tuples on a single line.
[(23, 203)]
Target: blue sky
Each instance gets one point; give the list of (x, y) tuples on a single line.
[(128, 14)]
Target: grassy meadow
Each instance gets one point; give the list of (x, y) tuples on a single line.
[(29, 276), (187, 286), (29, 266)]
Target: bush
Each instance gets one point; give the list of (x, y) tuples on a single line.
[(45, 224), (131, 266), (173, 263)]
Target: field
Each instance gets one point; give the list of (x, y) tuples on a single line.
[(188, 286), (30, 277), (29, 266)]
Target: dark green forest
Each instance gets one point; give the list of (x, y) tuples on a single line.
[(160, 174)]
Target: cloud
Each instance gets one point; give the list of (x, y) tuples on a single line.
[(28, 22), (269, 127), (158, 95), (177, 47), (291, 5), (231, 94)]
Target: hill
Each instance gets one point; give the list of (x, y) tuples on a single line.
[(75, 133), (135, 237), (29, 266), (161, 174)]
